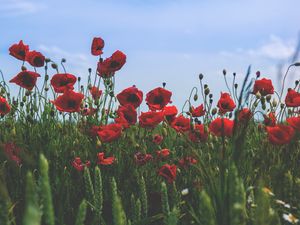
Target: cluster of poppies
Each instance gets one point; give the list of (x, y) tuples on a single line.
[(159, 104)]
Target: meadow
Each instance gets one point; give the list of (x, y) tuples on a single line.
[(75, 153)]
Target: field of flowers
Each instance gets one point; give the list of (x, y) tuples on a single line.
[(73, 153)]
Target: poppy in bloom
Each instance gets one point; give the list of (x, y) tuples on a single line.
[(221, 126), (110, 132), (12, 151), (141, 158), (225, 103), (88, 111), (25, 79), (97, 46), (19, 50), (150, 119), (292, 98), (4, 106), (244, 115), (157, 139), (187, 161), (170, 113), (105, 161), (168, 172), (263, 86), (294, 122), (163, 153), (111, 64), (79, 165), (270, 119), (181, 124), (62, 81), (130, 96), (198, 134), (158, 98), (198, 111), (127, 116), (95, 92), (93, 131), (69, 101), (35, 58), (280, 134)]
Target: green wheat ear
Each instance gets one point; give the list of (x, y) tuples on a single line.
[(143, 195), (89, 189), (4, 202), (136, 209), (119, 216), (32, 214), (98, 192), (46, 197), (207, 214), (170, 217), (81, 213)]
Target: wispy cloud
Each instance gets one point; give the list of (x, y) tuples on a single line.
[(19, 7)]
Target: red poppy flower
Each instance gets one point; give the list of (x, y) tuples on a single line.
[(105, 161), (109, 133), (181, 124), (88, 111), (111, 64), (150, 119), (244, 115), (93, 131), (35, 58), (97, 46), (170, 113), (198, 134), (130, 96), (157, 139), (198, 111), (168, 172), (79, 165), (221, 126), (264, 87), (294, 122), (25, 79), (127, 116), (12, 152), (292, 98), (4, 106), (19, 51), (163, 153), (225, 103), (158, 98), (270, 119), (95, 92), (141, 158), (280, 134), (62, 81), (70, 101), (187, 161)]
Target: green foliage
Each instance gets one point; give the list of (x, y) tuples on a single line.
[(89, 189), (119, 216), (206, 210), (81, 213)]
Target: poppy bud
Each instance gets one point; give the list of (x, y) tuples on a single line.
[(46, 77), (274, 103), (164, 84), (281, 105), (21, 104), (297, 64), (236, 85), (213, 111), (263, 100), (63, 60), (23, 68), (24, 99), (234, 74), (210, 95), (211, 101), (224, 72), (98, 143), (258, 95), (47, 60), (46, 88), (263, 106), (205, 86), (258, 74), (206, 91), (296, 82), (111, 94), (195, 97), (268, 98), (79, 79), (165, 132), (54, 66), (201, 76), (90, 70)]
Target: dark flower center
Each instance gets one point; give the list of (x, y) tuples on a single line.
[(38, 61), (21, 53), (71, 103), (132, 98), (158, 99), (114, 64), (63, 82), (27, 80), (2, 108)]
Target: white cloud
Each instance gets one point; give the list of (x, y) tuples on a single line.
[(19, 7)]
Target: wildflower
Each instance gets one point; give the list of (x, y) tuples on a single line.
[(163, 153), (292, 98), (70, 101), (290, 218), (12, 152), (150, 119), (221, 126), (127, 116), (263, 86), (294, 122), (130, 96), (19, 50), (105, 161), (157, 139), (35, 58), (4, 106), (141, 158), (158, 98), (244, 115), (25, 79), (62, 81), (225, 103), (97, 46), (168, 172), (112, 64), (109, 133), (187, 161), (280, 134), (198, 111), (95, 92), (79, 165), (198, 134), (270, 119), (181, 124), (170, 113)]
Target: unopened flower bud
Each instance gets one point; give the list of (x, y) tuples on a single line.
[(214, 111), (54, 66), (268, 98), (274, 103), (258, 95), (282, 105), (258, 74), (63, 60), (90, 70), (201, 76), (47, 60), (195, 97), (23, 68), (224, 72), (236, 85), (206, 91)]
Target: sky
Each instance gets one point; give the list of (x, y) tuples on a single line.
[(168, 41)]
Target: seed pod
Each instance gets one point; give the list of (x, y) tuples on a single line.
[(206, 91), (195, 97)]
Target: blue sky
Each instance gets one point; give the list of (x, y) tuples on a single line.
[(165, 41)]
